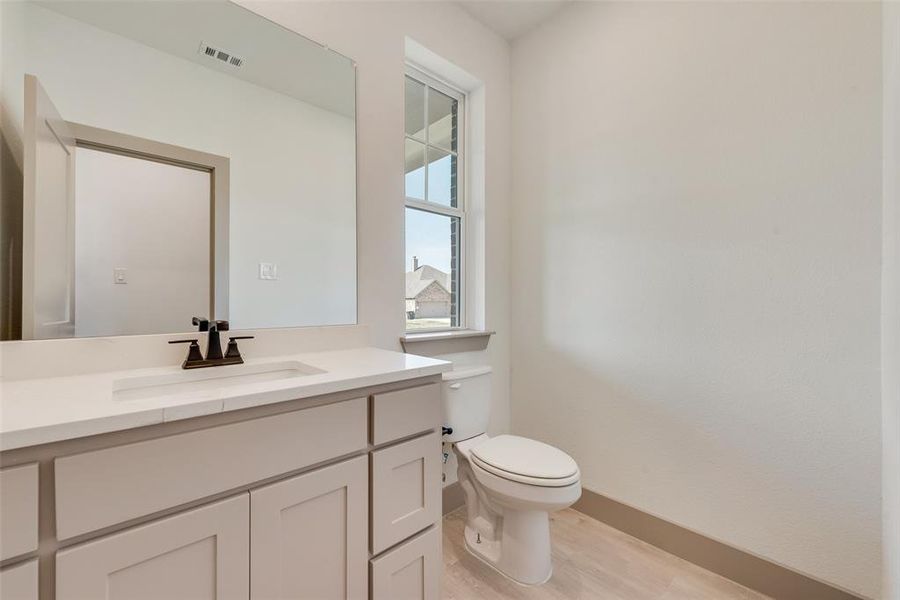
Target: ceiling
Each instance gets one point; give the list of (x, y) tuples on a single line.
[(512, 18)]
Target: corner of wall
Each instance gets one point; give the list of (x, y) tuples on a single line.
[(890, 302)]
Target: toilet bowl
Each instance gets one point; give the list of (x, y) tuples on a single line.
[(511, 484)]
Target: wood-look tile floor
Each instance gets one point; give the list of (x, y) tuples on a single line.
[(591, 561)]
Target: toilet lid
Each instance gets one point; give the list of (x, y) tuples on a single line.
[(529, 461)]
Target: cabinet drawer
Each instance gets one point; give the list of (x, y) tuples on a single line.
[(18, 510), (405, 412), (200, 554), (20, 582), (411, 571), (406, 490), (105, 487)]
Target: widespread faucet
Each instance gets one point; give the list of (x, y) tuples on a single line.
[(214, 356), (213, 342)]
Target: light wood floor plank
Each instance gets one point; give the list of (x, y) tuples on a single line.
[(590, 561)]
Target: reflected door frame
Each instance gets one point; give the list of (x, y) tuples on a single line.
[(217, 166), (48, 221)]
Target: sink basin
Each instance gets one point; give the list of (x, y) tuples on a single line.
[(202, 381)]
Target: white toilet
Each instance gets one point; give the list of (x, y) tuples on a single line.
[(511, 483)]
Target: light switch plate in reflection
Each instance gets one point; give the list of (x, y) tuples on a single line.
[(120, 275), (268, 270)]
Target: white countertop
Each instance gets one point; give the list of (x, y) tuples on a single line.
[(50, 409)]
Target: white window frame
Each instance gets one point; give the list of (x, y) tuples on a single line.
[(459, 211)]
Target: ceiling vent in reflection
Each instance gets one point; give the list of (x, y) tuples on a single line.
[(221, 55)]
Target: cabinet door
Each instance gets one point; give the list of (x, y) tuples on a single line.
[(19, 510), (411, 571), (308, 538), (20, 582), (196, 555), (406, 490)]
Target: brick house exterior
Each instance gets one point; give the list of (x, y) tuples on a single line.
[(427, 293)]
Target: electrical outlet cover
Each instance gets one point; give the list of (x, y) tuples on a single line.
[(268, 271)]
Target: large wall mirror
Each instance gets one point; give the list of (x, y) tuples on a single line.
[(163, 160)]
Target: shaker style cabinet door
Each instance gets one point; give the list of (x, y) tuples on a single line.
[(18, 510), (406, 490), (308, 538), (20, 582), (411, 571), (200, 554)]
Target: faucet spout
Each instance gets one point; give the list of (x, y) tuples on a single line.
[(213, 342)]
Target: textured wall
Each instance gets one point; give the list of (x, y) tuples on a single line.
[(890, 302), (696, 267)]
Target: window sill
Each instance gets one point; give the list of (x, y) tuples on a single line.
[(445, 342)]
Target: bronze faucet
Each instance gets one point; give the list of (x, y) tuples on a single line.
[(214, 356)]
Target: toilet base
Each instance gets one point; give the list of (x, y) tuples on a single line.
[(525, 555)]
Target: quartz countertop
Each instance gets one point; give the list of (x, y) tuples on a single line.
[(50, 409)]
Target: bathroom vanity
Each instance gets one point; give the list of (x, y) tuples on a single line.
[(248, 481), (215, 162)]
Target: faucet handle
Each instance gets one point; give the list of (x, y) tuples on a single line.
[(201, 322), (194, 355), (232, 351)]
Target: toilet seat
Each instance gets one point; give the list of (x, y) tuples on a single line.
[(524, 460)]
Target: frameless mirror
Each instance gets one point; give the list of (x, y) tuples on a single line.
[(166, 159)]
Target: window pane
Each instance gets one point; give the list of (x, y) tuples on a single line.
[(432, 270), (415, 108), (442, 127), (415, 170), (441, 177)]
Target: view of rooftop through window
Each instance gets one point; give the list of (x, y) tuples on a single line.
[(434, 215)]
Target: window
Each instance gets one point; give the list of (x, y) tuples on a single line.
[(435, 204)]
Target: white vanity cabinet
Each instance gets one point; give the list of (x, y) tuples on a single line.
[(20, 582), (308, 535), (18, 510), (201, 554), (331, 497), (406, 490), (412, 570), (105, 487), (19, 497)]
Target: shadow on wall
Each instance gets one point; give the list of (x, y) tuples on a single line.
[(666, 404), (11, 233)]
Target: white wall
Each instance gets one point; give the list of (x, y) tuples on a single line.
[(696, 267), (890, 303), (291, 186), (165, 251), (373, 34)]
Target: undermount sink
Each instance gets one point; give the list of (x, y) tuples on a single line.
[(201, 381)]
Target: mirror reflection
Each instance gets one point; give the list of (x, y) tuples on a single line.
[(162, 160)]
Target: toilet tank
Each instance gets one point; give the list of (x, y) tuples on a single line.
[(467, 402)]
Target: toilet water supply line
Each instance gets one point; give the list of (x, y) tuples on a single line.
[(445, 448), (446, 456)]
